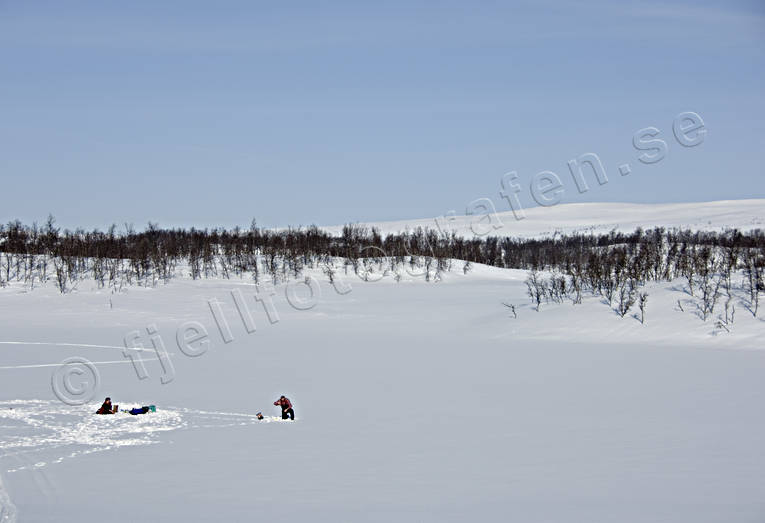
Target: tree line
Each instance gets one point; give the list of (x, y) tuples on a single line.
[(614, 265)]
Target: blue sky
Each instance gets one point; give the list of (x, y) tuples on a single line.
[(210, 114)]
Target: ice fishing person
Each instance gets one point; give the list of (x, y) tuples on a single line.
[(107, 408), (286, 406)]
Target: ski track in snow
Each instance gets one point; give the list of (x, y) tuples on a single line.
[(58, 364), (73, 345), (77, 345)]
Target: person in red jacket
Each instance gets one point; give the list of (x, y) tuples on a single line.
[(286, 406), (107, 408)]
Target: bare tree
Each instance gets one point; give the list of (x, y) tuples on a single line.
[(511, 306), (535, 289), (730, 311), (753, 268), (710, 292), (626, 300), (61, 275), (642, 302)]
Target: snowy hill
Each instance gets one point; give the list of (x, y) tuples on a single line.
[(596, 218)]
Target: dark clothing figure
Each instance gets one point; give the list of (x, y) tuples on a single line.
[(106, 408), (284, 403), (286, 406), (139, 410)]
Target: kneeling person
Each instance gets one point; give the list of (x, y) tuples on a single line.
[(286, 406)]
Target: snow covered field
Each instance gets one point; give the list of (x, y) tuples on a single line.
[(415, 401)]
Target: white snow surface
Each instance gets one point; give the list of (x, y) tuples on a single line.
[(415, 401), (587, 218)]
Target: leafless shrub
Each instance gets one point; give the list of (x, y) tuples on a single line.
[(626, 300), (642, 303), (511, 306)]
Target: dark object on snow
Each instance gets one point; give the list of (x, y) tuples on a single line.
[(286, 406), (259, 415), (142, 410), (107, 408)]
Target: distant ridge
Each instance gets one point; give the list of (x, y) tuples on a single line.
[(597, 218)]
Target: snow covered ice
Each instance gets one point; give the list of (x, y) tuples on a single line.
[(415, 401)]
